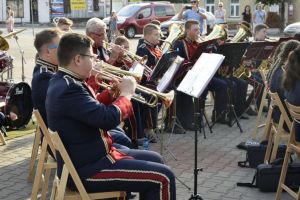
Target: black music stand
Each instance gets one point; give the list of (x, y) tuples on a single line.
[(193, 84), (260, 50), (233, 53)]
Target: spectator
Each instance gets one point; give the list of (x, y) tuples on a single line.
[(113, 29), (196, 13), (247, 14), (220, 14), (9, 19), (259, 15)]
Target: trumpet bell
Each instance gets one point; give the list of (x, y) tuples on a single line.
[(243, 32), (4, 46)]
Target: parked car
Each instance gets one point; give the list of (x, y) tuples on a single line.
[(292, 29), (132, 18), (165, 25)]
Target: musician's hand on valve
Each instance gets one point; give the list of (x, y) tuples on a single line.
[(127, 86)]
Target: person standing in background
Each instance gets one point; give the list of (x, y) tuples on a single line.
[(196, 13), (220, 14), (247, 14), (259, 15), (10, 21), (113, 29)]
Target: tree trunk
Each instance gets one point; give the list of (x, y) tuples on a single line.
[(282, 11)]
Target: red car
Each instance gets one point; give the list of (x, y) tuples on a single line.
[(132, 18)]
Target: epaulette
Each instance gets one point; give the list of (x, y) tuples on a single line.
[(43, 69), (69, 79), (143, 45)]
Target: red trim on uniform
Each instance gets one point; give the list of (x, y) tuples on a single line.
[(125, 106), (143, 175)]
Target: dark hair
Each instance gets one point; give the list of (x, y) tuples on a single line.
[(260, 27), (292, 72), (282, 56), (70, 45), (246, 10), (188, 24), (122, 31), (45, 37)]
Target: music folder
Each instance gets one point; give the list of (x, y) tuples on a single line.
[(170, 73), (196, 80)]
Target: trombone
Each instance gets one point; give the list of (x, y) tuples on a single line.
[(134, 57), (167, 98)]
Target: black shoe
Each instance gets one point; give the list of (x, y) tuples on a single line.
[(251, 112)]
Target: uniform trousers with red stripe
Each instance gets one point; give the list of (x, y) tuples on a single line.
[(145, 174)]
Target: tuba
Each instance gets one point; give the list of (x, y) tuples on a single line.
[(243, 32), (175, 31), (218, 32)]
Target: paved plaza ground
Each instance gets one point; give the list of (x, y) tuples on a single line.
[(217, 154)]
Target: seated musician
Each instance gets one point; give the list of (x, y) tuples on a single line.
[(64, 24), (156, 22), (96, 29), (277, 75), (83, 130), (123, 61), (45, 43), (150, 48), (291, 83), (186, 48)]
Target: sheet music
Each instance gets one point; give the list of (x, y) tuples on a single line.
[(200, 75), (168, 76), (137, 68)]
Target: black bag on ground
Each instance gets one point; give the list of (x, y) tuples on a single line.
[(267, 177), (256, 153)]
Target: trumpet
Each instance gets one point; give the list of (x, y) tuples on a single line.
[(167, 98), (139, 59), (119, 72)]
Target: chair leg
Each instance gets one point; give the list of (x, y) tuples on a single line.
[(2, 138), (271, 134), (46, 183), (39, 171), (62, 184), (283, 174), (275, 147), (34, 153), (54, 188), (269, 125)]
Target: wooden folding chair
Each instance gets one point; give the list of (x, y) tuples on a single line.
[(34, 152), (68, 169), (293, 146), (46, 163), (2, 139), (261, 106), (278, 132)]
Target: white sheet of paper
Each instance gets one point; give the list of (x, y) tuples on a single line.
[(168, 76), (196, 80), (137, 68)]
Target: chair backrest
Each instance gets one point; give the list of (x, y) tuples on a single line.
[(59, 146), (284, 113), (295, 114), (45, 131)]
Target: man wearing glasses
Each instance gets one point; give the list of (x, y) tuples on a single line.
[(194, 12), (96, 29)]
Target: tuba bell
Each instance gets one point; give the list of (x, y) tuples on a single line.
[(175, 31), (218, 32), (243, 32)]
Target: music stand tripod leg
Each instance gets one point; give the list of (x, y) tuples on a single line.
[(197, 116)]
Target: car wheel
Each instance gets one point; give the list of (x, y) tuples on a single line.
[(130, 32)]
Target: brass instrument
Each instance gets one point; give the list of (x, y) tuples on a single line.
[(243, 70), (167, 98), (175, 31), (120, 72), (4, 46), (218, 32), (14, 33), (265, 65), (141, 60), (243, 32)]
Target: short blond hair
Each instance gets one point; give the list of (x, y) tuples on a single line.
[(149, 28)]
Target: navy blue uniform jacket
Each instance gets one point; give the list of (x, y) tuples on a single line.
[(42, 74), (77, 116)]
